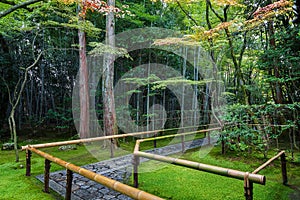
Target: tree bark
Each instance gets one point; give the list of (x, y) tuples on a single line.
[(110, 125), (277, 87), (83, 88)]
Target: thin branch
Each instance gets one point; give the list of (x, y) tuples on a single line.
[(8, 2), (15, 91), (18, 6), (225, 13), (215, 12), (207, 15), (209, 27), (243, 48), (254, 10), (245, 34), (25, 80), (186, 13)]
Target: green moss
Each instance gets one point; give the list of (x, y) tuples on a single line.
[(170, 182), (176, 182), (13, 182)]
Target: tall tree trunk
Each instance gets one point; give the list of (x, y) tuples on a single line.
[(110, 125), (277, 88), (83, 84), (83, 88)]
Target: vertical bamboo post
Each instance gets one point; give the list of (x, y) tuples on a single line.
[(69, 184), (28, 162), (208, 137), (154, 141), (283, 169), (249, 191), (223, 146), (136, 162), (47, 175), (248, 187), (182, 143), (112, 148)]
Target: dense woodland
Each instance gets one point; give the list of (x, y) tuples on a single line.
[(254, 44)]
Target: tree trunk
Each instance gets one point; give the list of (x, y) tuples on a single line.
[(110, 125), (14, 102), (83, 88), (277, 87), (14, 132)]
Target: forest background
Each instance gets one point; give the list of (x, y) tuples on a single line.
[(255, 45)]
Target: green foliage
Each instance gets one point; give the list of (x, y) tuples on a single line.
[(99, 49), (285, 57), (62, 118), (254, 127)]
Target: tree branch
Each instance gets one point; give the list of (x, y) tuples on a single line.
[(25, 80), (212, 9), (254, 10), (243, 48), (186, 13), (225, 13), (209, 27), (18, 6), (8, 2)]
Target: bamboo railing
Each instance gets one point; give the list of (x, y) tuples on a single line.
[(110, 183), (95, 139), (115, 185), (283, 166), (88, 140), (249, 178), (255, 178)]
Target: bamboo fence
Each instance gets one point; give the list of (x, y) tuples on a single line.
[(88, 140), (249, 178), (110, 183)]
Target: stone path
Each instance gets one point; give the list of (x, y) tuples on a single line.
[(119, 169)]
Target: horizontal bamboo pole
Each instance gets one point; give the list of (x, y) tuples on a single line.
[(268, 162), (179, 134), (255, 178), (110, 183), (271, 125), (87, 140), (137, 144)]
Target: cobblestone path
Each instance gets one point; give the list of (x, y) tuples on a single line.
[(119, 169)]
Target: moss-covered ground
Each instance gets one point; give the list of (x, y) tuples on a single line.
[(170, 182)]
